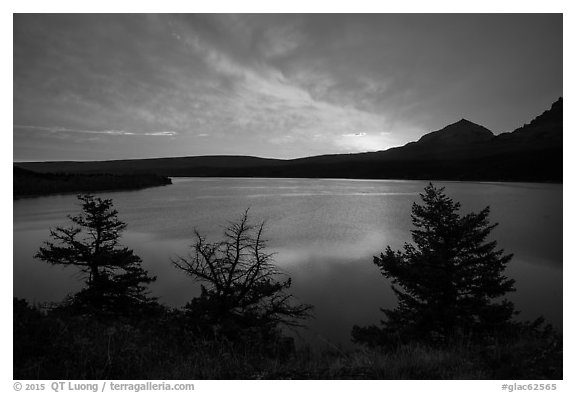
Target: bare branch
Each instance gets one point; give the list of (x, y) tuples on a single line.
[(241, 276)]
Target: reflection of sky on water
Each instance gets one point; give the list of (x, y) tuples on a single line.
[(325, 242)]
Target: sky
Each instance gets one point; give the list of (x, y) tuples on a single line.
[(116, 86)]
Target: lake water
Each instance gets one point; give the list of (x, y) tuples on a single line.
[(325, 233)]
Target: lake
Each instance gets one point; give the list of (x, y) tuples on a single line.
[(325, 233)]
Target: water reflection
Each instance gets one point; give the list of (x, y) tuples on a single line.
[(325, 233)]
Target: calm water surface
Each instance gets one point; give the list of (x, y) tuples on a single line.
[(325, 233)]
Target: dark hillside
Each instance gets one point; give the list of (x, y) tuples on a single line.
[(460, 151), (29, 183)]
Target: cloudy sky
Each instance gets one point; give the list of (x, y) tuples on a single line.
[(92, 87)]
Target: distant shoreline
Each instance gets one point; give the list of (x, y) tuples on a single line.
[(494, 182), (29, 184)]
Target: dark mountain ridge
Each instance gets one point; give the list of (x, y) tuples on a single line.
[(543, 131), (460, 151)]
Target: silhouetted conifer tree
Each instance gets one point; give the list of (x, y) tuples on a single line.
[(449, 283), (116, 282)]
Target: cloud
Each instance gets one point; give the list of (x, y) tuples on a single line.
[(221, 76), (260, 99), (280, 41), (102, 132), (274, 85)]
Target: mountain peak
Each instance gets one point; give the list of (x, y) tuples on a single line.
[(462, 132), (464, 121)]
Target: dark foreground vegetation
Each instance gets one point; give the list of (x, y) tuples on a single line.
[(60, 345), (29, 183), (451, 321)]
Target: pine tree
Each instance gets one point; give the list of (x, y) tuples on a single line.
[(448, 283), (116, 282)]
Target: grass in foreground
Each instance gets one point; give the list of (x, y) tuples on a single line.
[(59, 346)]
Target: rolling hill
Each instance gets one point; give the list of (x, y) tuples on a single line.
[(460, 151)]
